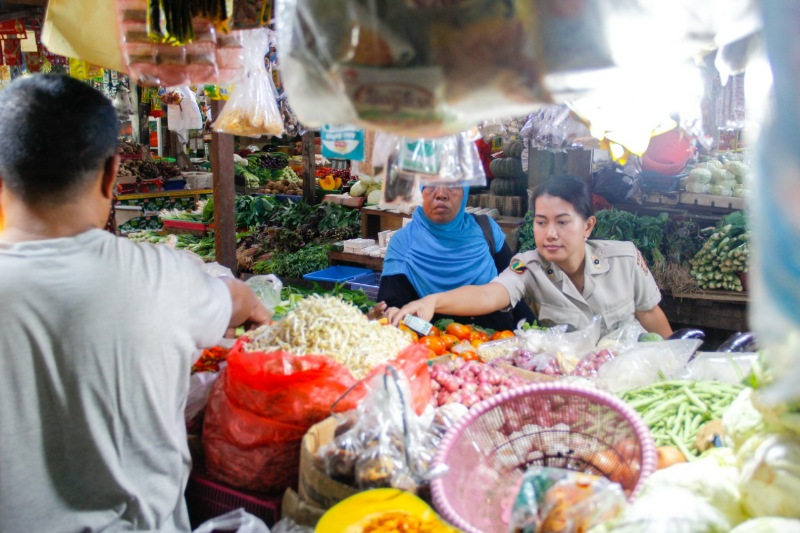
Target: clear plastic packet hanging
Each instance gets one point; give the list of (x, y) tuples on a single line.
[(555, 127), (557, 500), (414, 162), (415, 68), (252, 109), (386, 444)]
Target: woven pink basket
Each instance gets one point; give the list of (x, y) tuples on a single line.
[(548, 424)]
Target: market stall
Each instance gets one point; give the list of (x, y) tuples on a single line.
[(328, 419)]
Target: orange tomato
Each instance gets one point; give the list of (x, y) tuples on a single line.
[(468, 355), (476, 342), (433, 343), (459, 330), (478, 335), (506, 333), (449, 340), (434, 332), (414, 336)]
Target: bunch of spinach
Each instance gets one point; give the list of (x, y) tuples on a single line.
[(646, 232), (310, 258)]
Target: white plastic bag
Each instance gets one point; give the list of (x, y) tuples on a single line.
[(200, 384), (645, 364), (238, 520), (252, 109), (268, 289)]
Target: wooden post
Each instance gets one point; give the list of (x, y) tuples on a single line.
[(309, 169), (368, 165), (224, 195)]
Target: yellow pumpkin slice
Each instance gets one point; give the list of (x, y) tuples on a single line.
[(382, 511)]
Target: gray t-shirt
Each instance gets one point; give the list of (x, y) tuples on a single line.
[(97, 338)]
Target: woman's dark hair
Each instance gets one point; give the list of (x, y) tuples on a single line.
[(570, 189), (56, 133)]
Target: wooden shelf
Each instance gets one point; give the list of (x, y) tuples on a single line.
[(171, 194), (720, 310), (716, 296), (375, 263)]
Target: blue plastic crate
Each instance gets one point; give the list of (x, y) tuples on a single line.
[(336, 274), (369, 283)]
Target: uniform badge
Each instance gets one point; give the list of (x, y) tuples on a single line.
[(517, 266)]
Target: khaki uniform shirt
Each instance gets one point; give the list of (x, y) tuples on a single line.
[(617, 283)]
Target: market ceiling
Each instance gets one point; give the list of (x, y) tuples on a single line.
[(15, 9)]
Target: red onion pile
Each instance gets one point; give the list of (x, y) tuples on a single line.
[(468, 382)]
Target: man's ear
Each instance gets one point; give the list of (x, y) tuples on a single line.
[(110, 176)]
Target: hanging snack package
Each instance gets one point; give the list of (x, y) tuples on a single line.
[(415, 67), (248, 14), (252, 109), (450, 161)]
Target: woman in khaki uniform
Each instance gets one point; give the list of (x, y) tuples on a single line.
[(569, 278)]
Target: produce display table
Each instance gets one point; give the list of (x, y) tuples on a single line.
[(153, 202), (337, 258), (657, 203), (721, 310)]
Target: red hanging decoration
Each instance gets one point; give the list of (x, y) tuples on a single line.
[(12, 52)]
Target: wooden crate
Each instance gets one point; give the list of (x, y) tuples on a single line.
[(665, 199), (710, 200)]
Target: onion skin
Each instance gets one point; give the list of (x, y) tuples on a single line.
[(668, 456)]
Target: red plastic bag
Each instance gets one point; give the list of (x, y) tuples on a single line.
[(264, 402)]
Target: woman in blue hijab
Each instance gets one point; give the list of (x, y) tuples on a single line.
[(442, 248)]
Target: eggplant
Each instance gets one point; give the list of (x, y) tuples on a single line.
[(740, 342), (687, 333)]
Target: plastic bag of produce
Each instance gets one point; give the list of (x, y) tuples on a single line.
[(264, 402), (564, 501), (252, 108), (267, 288), (383, 443), (237, 520), (647, 363)]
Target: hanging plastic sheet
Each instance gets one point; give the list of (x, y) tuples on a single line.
[(775, 269)]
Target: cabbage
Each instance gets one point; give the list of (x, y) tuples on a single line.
[(358, 189), (738, 169), (719, 190), (720, 175), (742, 420), (700, 175), (697, 188), (668, 510), (770, 475), (768, 524), (713, 478), (374, 197)]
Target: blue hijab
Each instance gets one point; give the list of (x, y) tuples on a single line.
[(439, 257)]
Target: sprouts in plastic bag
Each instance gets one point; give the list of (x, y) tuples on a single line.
[(252, 109)]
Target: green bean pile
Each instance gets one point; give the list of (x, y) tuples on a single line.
[(675, 410)]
